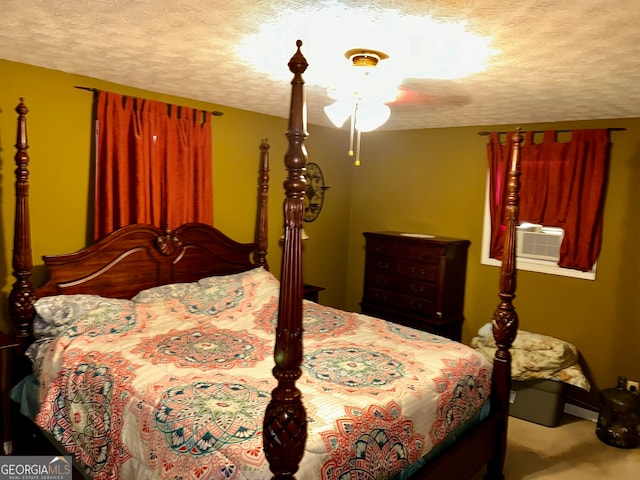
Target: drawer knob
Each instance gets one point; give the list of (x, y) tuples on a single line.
[(382, 281), (382, 264), (417, 288), (419, 271)]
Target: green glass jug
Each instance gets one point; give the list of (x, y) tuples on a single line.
[(618, 420)]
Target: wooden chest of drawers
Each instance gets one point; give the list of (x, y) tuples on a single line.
[(416, 280)]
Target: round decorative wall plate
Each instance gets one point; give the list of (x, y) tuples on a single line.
[(314, 194)]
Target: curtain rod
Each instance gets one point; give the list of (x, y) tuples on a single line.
[(215, 113), (613, 129)]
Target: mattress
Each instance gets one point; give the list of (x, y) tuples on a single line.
[(175, 382)]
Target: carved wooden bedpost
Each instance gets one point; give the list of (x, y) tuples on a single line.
[(22, 296), (505, 318), (262, 232), (285, 421)]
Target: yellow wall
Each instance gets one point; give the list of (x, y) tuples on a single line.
[(59, 134), (433, 181), (429, 181)]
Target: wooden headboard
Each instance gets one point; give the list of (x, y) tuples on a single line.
[(136, 257)]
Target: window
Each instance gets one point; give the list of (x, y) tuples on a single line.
[(147, 153), (537, 247), (562, 185)]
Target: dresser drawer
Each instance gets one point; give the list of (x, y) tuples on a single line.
[(401, 303), (400, 266), (402, 285), (399, 249), (422, 271)]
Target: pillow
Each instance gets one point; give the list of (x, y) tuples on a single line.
[(36, 352), (211, 295), (220, 293), (221, 282), (77, 314), (163, 292), (73, 315)]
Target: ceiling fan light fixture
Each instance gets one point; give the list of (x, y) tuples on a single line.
[(362, 95), (338, 112), (365, 57), (371, 117)]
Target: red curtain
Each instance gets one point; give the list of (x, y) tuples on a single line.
[(562, 185), (153, 164)]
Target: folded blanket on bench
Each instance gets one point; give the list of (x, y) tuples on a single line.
[(536, 356)]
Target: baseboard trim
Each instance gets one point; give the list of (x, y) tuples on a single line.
[(580, 412)]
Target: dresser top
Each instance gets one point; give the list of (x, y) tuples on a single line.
[(416, 236)]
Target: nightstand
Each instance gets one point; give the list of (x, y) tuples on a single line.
[(6, 343), (311, 292)]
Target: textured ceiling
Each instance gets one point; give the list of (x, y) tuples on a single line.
[(555, 60)]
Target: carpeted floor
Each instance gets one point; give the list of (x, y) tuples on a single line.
[(570, 451)]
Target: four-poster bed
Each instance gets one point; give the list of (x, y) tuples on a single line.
[(139, 277)]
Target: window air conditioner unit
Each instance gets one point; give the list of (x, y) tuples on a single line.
[(541, 243)]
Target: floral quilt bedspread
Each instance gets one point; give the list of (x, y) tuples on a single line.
[(175, 382)]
